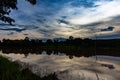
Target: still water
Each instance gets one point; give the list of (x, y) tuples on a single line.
[(69, 67)]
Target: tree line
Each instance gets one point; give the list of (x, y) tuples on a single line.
[(28, 43), (70, 46)]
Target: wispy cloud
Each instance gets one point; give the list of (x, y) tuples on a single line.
[(63, 18), (13, 29), (110, 28)]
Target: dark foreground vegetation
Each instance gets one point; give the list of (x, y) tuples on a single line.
[(12, 71), (72, 46)]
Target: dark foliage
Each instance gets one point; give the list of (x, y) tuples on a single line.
[(5, 8), (71, 47), (12, 71)]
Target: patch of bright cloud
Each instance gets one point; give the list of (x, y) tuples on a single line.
[(103, 11)]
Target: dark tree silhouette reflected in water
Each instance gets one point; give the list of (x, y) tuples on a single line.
[(72, 47)]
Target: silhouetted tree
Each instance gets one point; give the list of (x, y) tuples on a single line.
[(5, 8), (49, 41), (71, 37), (78, 41), (26, 39)]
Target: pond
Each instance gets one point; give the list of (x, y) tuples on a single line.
[(69, 67)]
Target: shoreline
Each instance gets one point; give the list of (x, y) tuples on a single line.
[(13, 71)]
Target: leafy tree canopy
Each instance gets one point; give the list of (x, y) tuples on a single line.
[(5, 8)]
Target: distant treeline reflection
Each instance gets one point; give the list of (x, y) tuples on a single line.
[(71, 47)]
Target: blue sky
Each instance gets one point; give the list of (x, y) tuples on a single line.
[(64, 18)]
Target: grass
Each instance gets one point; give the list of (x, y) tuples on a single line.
[(12, 71)]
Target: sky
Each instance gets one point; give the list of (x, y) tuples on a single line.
[(64, 18)]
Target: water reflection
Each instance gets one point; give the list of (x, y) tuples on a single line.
[(66, 67), (70, 53)]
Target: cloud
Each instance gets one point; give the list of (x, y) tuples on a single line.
[(10, 33), (92, 24), (110, 28), (2, 25), (63, 18), (109, 36), (13, 29), (82, 15), (62, 21)]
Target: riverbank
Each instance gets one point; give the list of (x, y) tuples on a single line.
[(13, 71)]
